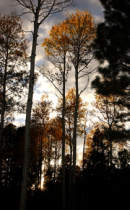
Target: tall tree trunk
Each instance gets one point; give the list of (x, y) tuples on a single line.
[(110, 140), (3, 112), (110, 152), (50, 152), (55, 163), (75, 127), (63, 139), (70, 174), (3, 101), (28, 118), (84, 146), (41, 160), (83, 169)]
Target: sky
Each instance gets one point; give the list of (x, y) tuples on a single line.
[(42, 85)]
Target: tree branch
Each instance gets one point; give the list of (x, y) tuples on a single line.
[(51, 81)]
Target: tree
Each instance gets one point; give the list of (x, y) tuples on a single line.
[(56, 133), (40, 11), (81, 32), (13, 60), (39, 124), (8, 159), (69, 119), (11, 157), (56, 47), (96, 153), (107, 109), (111, 48), (78, 31), (70, 101), (123, 158), (56, 52)]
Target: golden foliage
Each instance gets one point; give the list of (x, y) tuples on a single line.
[(57, 41), (70, 102), (90, 139), (108, 109), (76, 30), (39, 124), (80, 27), (12, 36)]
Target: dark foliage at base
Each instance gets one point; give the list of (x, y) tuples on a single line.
[(99, 185), (104, 189)]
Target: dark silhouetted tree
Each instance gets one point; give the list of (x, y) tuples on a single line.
[(13, 60), (111, 47)]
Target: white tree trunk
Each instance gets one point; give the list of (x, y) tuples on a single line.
[(28, 118), (63, 139)]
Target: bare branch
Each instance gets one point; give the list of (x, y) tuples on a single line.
[(84, 87), (90, 72), (50, 81), (86, 64), (56, 95), (27, 31), (50, 9)]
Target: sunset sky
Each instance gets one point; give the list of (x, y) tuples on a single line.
[(42, 84)]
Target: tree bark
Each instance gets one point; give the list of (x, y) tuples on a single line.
[(70, 174), (63, 139), (110, 152), (28, 118), (3, 101), (55, 163), (84, 146), (110, 140), (83, 168), (48, 9), (75, 126)]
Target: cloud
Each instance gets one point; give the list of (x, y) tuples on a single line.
[(98, 19), (19, 120)]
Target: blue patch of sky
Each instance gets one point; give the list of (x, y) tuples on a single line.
[(20, 120)]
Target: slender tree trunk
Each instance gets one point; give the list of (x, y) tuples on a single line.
[(70, 174), (75, 127), (50, 152), (63, 139), (3, 101), (83, 169), (110, 152), (28, 118), (55, 163), (3, 112), (110, 140), (84, 146), (2, 125), (41, 155), (41, 161)]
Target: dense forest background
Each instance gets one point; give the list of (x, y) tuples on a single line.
[(38, 161)]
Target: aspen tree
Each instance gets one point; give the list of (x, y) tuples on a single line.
[(41, 10), (56, 52), (81, 31)]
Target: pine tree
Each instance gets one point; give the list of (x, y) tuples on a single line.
[(111, 47)]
